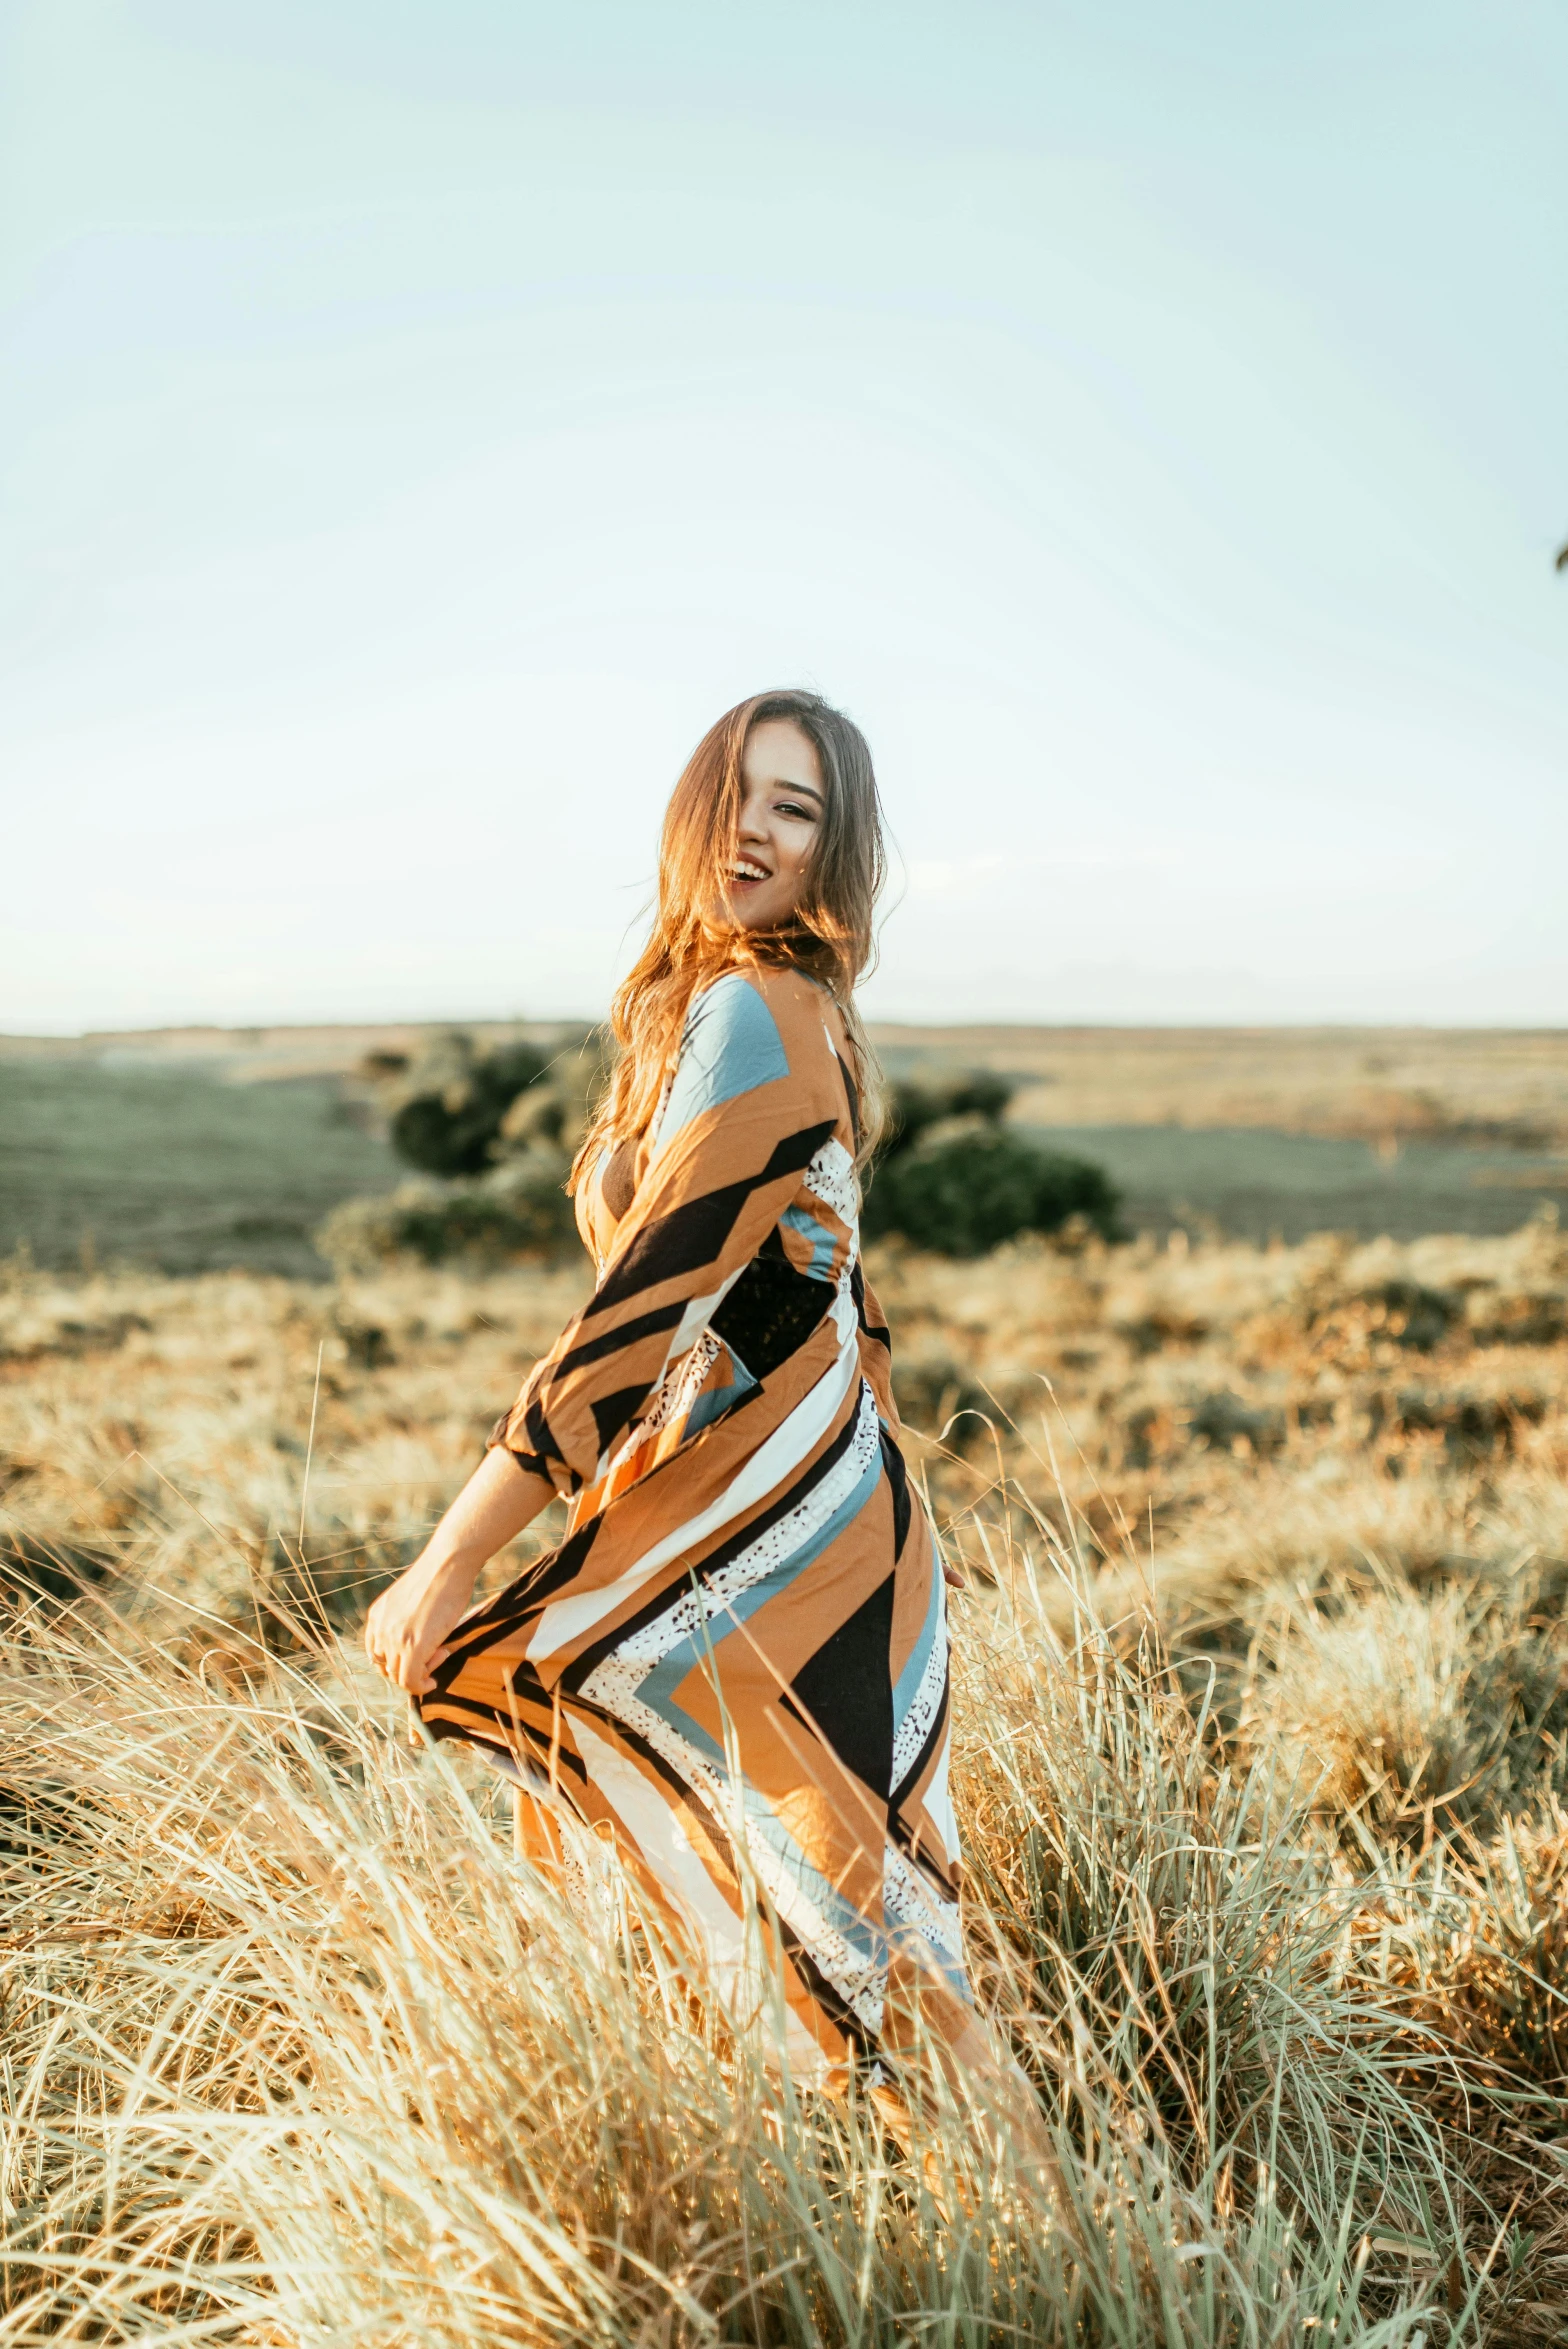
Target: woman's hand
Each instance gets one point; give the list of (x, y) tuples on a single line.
[(407, 1629)]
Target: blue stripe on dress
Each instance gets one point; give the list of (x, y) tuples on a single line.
[(823, 1244), (657, 1689), (731, 1045), (907, 1687), (713, 1402), (863, 1934)]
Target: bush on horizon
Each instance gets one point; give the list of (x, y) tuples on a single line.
[(953, 1179), (968, 1194), (522, 1215), (455, 1129)]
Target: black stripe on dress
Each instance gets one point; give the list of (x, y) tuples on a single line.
[(675, 1245), (647, 1325), (898, 1477)]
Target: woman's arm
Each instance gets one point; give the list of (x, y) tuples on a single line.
[(407, 1627), (756, 1092)]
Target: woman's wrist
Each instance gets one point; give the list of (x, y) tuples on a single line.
[(499, 1499), (452, 1563)]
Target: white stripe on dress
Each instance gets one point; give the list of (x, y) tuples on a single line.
[(658, 1835)]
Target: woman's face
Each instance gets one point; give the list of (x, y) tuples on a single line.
[(782, 801)]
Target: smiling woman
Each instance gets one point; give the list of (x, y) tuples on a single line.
[(771, 850), (735, 1664)]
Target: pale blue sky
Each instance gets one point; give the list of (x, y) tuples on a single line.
[(417, 421)]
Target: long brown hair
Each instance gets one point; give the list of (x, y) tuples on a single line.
[(829, 937)]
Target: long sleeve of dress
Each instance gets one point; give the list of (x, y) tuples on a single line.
[(758, 1092)]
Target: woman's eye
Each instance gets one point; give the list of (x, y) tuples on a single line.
[(791, 807)]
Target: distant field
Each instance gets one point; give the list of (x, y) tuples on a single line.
[(168, 1168), (1500, 1085), (1505, 1086), (1251, 1183), (193, 1150)]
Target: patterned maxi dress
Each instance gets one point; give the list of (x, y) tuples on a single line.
[(742, 1639)]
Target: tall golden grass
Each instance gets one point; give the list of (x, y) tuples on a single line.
[(1262, 1711)]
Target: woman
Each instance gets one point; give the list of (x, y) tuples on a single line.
[(735, 1664)]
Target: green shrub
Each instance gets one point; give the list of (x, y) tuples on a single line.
[(915, 1106), (968, 1193), (520, 1215), (454, 1131)]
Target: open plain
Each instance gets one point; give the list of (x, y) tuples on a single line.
[(190, 1150)]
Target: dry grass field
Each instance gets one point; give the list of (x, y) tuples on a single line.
[(1263, 1739)]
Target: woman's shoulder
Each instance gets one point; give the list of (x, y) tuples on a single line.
[(800, 1009), (746, 1036), (786, 991), (760, 1020)]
